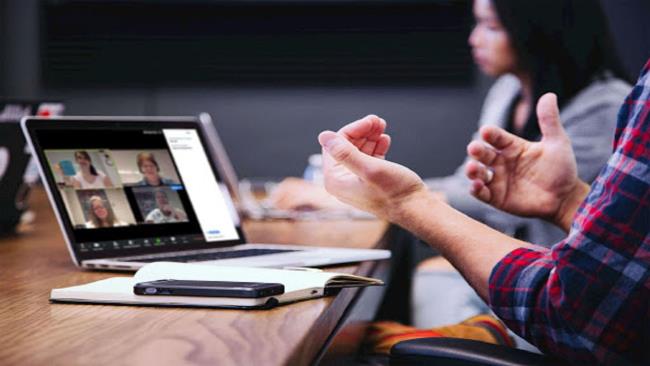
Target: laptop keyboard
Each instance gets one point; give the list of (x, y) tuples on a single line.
[(202, 257)]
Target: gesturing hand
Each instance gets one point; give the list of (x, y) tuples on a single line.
[(356, 172), (528, 178)]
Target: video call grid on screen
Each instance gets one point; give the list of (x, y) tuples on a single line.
[(118, 187)]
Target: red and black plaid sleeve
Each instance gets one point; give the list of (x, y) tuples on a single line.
[(587, 299)]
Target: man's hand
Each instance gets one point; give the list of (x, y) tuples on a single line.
[(356, 172), (528, 178)]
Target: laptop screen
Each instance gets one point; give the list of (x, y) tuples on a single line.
[(134, 188)]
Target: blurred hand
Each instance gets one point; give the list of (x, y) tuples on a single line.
[(527, 178), (356, 173), (299, 194), (56, 168)]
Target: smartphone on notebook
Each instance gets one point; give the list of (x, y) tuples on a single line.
[(208, 288)]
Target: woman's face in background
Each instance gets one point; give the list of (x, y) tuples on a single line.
[(490, 43)]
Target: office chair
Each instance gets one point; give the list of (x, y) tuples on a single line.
[(463, 352)]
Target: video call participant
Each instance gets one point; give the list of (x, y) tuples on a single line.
[(88, 177), (165, 212), (101, 214), (150, 170)]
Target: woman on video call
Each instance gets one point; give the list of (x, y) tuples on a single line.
[(101, 214), (150, 170), (88, 177), (530, 47)]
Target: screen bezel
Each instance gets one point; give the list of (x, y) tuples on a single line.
[(32, 125)]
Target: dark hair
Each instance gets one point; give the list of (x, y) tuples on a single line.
[(86, 156), (562, 44)]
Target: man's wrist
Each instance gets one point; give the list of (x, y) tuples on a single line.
[(569, 207), (409, 206)]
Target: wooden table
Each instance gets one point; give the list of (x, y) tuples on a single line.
[(36, 332)]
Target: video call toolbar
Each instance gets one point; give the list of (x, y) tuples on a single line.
[(99, 246)]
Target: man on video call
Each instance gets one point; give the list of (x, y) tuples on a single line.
[(586, 299), (165, 212)]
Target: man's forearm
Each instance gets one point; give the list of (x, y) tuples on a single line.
[(472, 247)]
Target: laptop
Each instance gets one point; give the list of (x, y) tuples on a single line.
[(16, 169), (128, 191), (245, 193)]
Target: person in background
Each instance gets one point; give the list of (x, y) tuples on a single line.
[(165, 212), (101, 214), (150, 170), (88, 177)]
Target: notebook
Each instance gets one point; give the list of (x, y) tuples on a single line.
[(128, 191), (299, 284)]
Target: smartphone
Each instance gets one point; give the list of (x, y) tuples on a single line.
[(208, 288)]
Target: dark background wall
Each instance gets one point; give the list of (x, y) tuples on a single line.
[(270, 130)]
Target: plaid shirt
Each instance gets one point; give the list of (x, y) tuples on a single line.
[(587, 299)]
